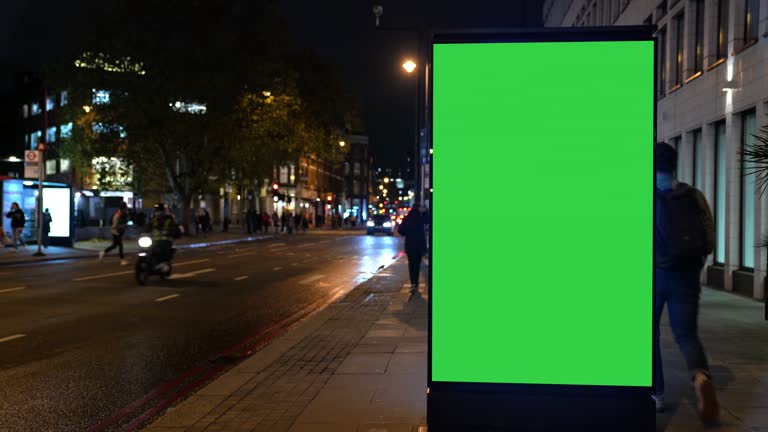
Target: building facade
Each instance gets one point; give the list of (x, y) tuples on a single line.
[(711, 100)]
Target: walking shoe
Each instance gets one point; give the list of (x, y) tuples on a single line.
[(659, 401), (709, 409), (101, 256), (124, 262)]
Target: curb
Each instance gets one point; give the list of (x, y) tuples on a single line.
[(90, 255)]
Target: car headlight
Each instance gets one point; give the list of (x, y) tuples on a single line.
[(370, 224), (387, 224), (145, 242)]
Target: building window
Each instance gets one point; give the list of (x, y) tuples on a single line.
[(663, 61), (356, 187), (50, 103), (356, 170), (36, 108), (720, 189), (35, 138), (698, 37), (722, 29), (64, 165), (25, 110), (677, 60), (698, 179), (50, 135), (661, 10), (26, 141), (283, 175), (64, 97), (50, 166), (65, 130), (751, 20), (101, 97), (747, 195)]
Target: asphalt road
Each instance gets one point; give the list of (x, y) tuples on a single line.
[(81, 342)]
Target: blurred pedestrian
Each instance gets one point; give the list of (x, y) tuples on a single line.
[(265, 222), (119, 225), (276, 221), (412, 229), (683, 237), (205, 221), (18, 220), (250, 220), (47, 219), (304, 223), (283, 221)]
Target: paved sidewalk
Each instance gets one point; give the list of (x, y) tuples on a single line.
[(357, 365)]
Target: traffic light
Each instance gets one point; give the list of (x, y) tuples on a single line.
[(329, 198), (275, 187)]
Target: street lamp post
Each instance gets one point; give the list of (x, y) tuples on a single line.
[(410, 66)]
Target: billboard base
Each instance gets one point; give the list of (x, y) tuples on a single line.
[(491, 412)]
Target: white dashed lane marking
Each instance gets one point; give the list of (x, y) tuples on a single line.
[(11, 289), (241, 278), (162, 299), (10, 338), (277, 268), (312, 279)]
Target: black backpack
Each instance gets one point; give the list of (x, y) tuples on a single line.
[(680, 229)]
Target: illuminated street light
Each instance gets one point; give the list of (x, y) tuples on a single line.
[(342, 143), (86, 108), (409, 66), (381, 187), (386, 179)]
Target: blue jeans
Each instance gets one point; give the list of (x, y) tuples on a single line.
[(680, 290)]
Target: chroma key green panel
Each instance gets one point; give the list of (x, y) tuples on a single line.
[(542, 236)]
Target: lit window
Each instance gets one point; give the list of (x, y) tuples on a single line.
[(698, 37), (101, 97), (50, 135), (66, 130), (50, 103), (25, 110), (747, 195), (64, 97), (36, 108), (677, 60), (64, 165), (26, 140), (720, 186), (50, 166), (35, 138)]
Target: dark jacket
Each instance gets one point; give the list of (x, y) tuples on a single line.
[(413, 229), (17, 218), (661, 254)]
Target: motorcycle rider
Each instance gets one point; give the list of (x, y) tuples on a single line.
[(164, 231)]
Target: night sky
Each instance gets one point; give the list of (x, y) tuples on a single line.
[(342, 32)]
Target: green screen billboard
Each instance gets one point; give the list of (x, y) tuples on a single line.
[(542, 231)]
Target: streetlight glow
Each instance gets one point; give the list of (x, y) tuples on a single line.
[(342, 143), (86, 108), (409, 66)]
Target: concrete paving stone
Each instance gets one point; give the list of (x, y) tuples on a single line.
[(393, 332), (226, 384), (385, 427), (685, 419), (407, 363), (375, 348), (323, 427), (189, 411), (325, 407), (411, 347), (364, 363)]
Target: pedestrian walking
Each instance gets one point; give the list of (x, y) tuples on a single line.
[(18, 220), (265, 222), (47, 219), (304, 223), (119, 225), (250, 220), (205, 221), (276, 221), (683, 237), (283, 222), (412, 229)]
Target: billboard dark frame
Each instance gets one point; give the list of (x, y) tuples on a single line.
[(466, 405)]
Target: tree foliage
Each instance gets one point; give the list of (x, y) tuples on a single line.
[(265, 105)]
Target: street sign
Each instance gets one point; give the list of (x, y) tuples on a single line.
[(31, 164), (553, 312)]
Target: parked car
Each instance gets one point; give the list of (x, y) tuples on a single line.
[(380, 224)]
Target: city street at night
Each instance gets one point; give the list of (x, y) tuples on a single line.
[(80, 341)]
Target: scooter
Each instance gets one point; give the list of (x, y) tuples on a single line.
[(151, 262)]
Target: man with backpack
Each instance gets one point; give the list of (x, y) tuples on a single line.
[(17, 226), (683, 237), (119, 225)]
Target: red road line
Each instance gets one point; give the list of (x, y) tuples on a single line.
[(186, 390), (156, 392)]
